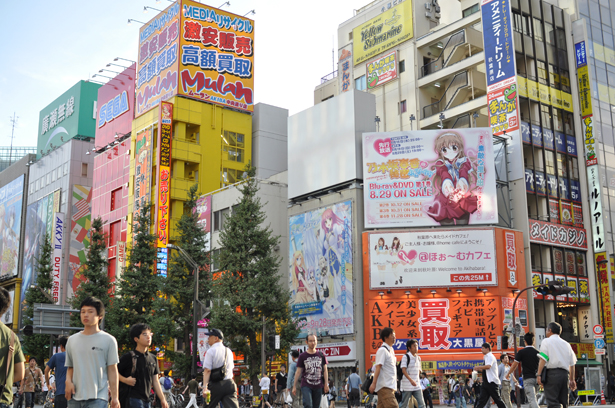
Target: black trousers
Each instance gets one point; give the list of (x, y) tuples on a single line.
[(556, 389), (489, 389), (427, 398), (224, 391)]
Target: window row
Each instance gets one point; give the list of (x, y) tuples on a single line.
[(545, 258), (49, 178), (547, 163)]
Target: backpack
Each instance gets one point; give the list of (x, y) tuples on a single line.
[(124, 390), (400, 372), (167, 383)]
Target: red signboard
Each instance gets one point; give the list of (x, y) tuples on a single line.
[(559, 235), (115, 104)]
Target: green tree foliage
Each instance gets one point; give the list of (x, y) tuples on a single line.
[(180, 283), (37, 345), (249, 286), (138, 293), (94, 270)]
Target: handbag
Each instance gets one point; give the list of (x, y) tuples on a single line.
[(367, 384), (543, 376), (9, 361), (218, 374)]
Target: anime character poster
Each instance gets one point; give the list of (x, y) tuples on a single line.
[(11, 200), (320, 272), (429, 178)]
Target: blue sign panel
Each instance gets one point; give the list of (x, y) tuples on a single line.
[(599, 343), (552, 185), (458, 365), (537, 135), (529, 181), (571, 144), (457, 343), (497, 39), (564, 189), (541, 183), (525, 133), (560, 142), (547, 135), (580, 54), (161, 263), (575, 191)]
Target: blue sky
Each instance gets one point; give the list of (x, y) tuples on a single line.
[(49, 46)]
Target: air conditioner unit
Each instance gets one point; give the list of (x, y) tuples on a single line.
[(191, 174)]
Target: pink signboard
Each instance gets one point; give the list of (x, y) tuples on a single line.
[(116, 100)]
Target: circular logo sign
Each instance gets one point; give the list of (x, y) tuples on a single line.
[(598, 329)]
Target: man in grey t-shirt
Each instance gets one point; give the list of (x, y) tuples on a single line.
[(91, 361)]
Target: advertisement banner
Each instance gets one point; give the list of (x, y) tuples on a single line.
[(541, 183), (11, 202), (340, 351), (157, 70), (566, 210), (216, 56), (165, 127), (120, 259), (143, 169), (7, 318), (383, 32), (203, 344), (203, 213), (381, 70), (595, 209), (57, 245), (558, 235), (585, 324), (429, 178), (321, 270), (509, 247), (584, 348), (81, 222), (583, 290), (410, 259), (344, 69), (116, 100), (604, 295), (529, 181), (537, 280)]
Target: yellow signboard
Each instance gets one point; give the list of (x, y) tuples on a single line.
[(383, 32), (584, 91), (544, 93)]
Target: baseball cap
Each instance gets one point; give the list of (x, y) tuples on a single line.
[(215, 332)]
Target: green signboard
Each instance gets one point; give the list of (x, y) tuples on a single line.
[(72, 115)]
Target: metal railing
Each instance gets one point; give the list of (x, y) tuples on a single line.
[(451, 45), (462, 122), (459, 81), (328, 77)]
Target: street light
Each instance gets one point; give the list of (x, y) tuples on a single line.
[(545, 289), (192, 263)]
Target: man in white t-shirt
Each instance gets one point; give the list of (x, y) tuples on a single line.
[(410, 383), (491, 379), (385, 374), (223, 390), (265, 384)]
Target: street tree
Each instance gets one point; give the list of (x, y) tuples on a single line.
[(180, 282), (37, 345), (247, 291)]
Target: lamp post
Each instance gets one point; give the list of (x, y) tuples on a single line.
[(553, 290), (192, 263)]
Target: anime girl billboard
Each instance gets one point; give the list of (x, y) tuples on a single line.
[(429, 178), (320, 272)]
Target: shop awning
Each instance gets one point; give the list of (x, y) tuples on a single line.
[(588, 362), (340, 364)]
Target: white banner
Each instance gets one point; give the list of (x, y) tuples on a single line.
[(202, 345), (595, 208), (57, 243), (120, 259), (399, 260)]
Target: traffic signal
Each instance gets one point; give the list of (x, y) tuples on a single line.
[(554, 290), (504, 341), (272, 342)]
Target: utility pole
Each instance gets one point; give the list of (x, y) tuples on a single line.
[(14, 122), (263, 360)]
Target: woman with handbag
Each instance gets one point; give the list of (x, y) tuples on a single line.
[(29, 384), (332, 394)]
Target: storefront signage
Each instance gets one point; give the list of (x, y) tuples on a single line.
[(595, 209), (383, 32), (344, 69), (164, 173), (559, 235), (57, 244), (381, 70), (458, 364), (604, 295), (203, 213), (143, 169), (511, 259), (429, 178), (342, 351), (407, 259), (120, 257)]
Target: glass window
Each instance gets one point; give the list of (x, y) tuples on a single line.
[(31, 187), (360, 84), (84, 169), (538, 30), (48, 179), (546, 116), (115, 199), (233, 144), (542, 72), (561, 165), (550, 162), (565, 80), (558, 124), (549, 33), (66, 168), (402, 107), (471, 10), (219, 218), (580, 262), (402, 66), (573, 168)]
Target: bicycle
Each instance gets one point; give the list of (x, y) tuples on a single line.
[(244, 401), (175, 401)]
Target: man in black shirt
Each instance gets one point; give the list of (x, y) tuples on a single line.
[(138, 371), (280, 385), (528, 357)]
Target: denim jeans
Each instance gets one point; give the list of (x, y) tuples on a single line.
[(90, 403), (460, 401), (29, 399), (406, 395), (138, 403), (311, 397)]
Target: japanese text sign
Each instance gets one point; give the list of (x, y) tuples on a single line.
[(383, 32), (203, 213), (428, 178), (559, 235), (344, 69), (157, 76), (164, 173), (595, 209), (57, 243), (405, 259), (116, 101), (510, 255), (143, 169), (580, 54), (604, 294), (216, 56), (381, 70)]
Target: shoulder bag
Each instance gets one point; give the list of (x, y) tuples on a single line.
[(218, 374), (9, 362)]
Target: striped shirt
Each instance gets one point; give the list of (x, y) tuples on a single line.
[(412, 364)]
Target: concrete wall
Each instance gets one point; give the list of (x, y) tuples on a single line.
[(269, 140)]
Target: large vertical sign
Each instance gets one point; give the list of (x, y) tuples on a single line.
[(502, 98), (116, 101), (157, 68), (321, 270), (81, 222), (203, 213), (11, 201), (143, 169), (216, 56), (344, 69), (164, 173), (57, 244)]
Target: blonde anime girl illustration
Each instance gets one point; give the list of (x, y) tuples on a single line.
[(305, 290), (453, 181)]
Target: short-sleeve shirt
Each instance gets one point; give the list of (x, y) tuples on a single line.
[(528, 357), (312, 369), (58, 362), (385, 357), (412, 364), (282, 379), (264, 383), (89, 356), (193, 386), (492, 373), (18, 357), (146, 369), (30, 377), (557, 353), (215, 358), (354, 382)]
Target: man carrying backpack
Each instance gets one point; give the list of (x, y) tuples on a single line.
[(166, 384), (410, 383), (458, 393)]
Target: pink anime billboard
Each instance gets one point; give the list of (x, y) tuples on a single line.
[(429, 178)]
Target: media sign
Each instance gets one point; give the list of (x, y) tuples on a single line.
[(116, 101)]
